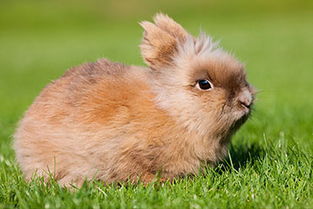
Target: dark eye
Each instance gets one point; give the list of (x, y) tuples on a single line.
[(204, 84)]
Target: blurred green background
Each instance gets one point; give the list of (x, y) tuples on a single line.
[(40, 39)]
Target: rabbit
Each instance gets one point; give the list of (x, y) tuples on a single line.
[(116, 123)]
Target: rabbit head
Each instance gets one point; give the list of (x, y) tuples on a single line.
[(198, 83)]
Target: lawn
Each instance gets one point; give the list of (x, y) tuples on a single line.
[(270, 163)]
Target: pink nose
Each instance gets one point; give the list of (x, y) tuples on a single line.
[(245, 98)]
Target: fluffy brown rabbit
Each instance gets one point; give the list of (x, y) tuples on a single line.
[(113, 122)]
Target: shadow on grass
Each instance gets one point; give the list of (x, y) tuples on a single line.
[(240, 156)]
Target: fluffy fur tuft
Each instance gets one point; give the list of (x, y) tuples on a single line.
[(114, 122)]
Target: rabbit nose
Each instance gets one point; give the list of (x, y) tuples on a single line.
[(245, 99)]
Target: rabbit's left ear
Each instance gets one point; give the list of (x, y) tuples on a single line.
[(160, 41)]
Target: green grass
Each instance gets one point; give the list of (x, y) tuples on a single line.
[(270, 161)]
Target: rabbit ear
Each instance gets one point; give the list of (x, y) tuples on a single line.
[(160, 41), (170, 26)]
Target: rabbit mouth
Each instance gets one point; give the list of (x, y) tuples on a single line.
[(242, 116), (246, 112), (245, 109)]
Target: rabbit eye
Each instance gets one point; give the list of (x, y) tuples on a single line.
[(204, 84)]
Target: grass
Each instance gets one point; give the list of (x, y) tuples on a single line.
[(270, 160)]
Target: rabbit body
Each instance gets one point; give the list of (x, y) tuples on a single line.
[(113, 122)]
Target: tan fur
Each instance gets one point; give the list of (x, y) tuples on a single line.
[(113, 122)]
